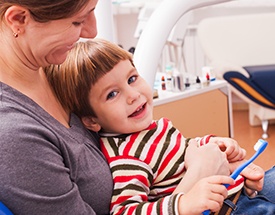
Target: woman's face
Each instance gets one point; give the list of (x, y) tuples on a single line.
[(49, 43)]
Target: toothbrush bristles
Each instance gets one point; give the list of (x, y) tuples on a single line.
[(257, 145), (260, 145)]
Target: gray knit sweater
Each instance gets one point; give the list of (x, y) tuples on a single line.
[(46, 168)]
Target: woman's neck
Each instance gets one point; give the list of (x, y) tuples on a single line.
[(34, 84)]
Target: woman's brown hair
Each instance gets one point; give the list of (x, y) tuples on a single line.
[(46, 10), (85, 64)]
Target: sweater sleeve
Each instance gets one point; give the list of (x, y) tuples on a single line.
[(203, 140), (132, 181)]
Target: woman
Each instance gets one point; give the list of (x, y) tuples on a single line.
[(49, 163)]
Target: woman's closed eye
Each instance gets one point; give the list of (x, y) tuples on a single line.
[(78, 23)]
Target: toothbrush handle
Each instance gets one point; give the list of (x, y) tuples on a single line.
[(207, 212)]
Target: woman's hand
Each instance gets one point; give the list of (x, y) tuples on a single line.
[(254, 177), (253, 174), (231, 148), (207, 194)]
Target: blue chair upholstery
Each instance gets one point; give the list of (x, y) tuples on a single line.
[(259, 86), (4, 210)]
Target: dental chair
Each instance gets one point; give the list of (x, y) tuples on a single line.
[(241, 49)]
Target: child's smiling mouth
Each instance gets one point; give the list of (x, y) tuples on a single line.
[(138, 111)]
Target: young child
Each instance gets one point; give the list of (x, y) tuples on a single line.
[(99, 82)]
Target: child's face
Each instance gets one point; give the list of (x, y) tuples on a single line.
[(122, 100)]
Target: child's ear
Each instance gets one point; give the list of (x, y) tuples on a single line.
[(90, 123)]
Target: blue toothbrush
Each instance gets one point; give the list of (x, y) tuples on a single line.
[(259, 147)]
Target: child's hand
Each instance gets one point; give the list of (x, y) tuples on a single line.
[(207, 194), (231, 148)]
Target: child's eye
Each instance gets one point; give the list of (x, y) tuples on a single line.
[(132, 79), (111, 95)]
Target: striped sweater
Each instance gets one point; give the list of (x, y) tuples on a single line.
[(146, 166)]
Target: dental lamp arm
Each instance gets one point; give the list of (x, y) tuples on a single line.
[(156, 32)]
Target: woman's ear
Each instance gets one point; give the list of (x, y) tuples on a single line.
[(16, 18), (90, 123)]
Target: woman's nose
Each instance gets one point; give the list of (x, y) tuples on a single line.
[(89, 29)]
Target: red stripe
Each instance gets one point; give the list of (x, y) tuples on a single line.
[(132, 209), (133, 137), (237, 183), (171, 154), (152, 126), (208, 138), (124, 179), (153, 146), (130, 144), (150, 209), (205, 139), (167, 191)]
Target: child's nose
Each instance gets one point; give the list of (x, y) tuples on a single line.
[(133, 95)]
